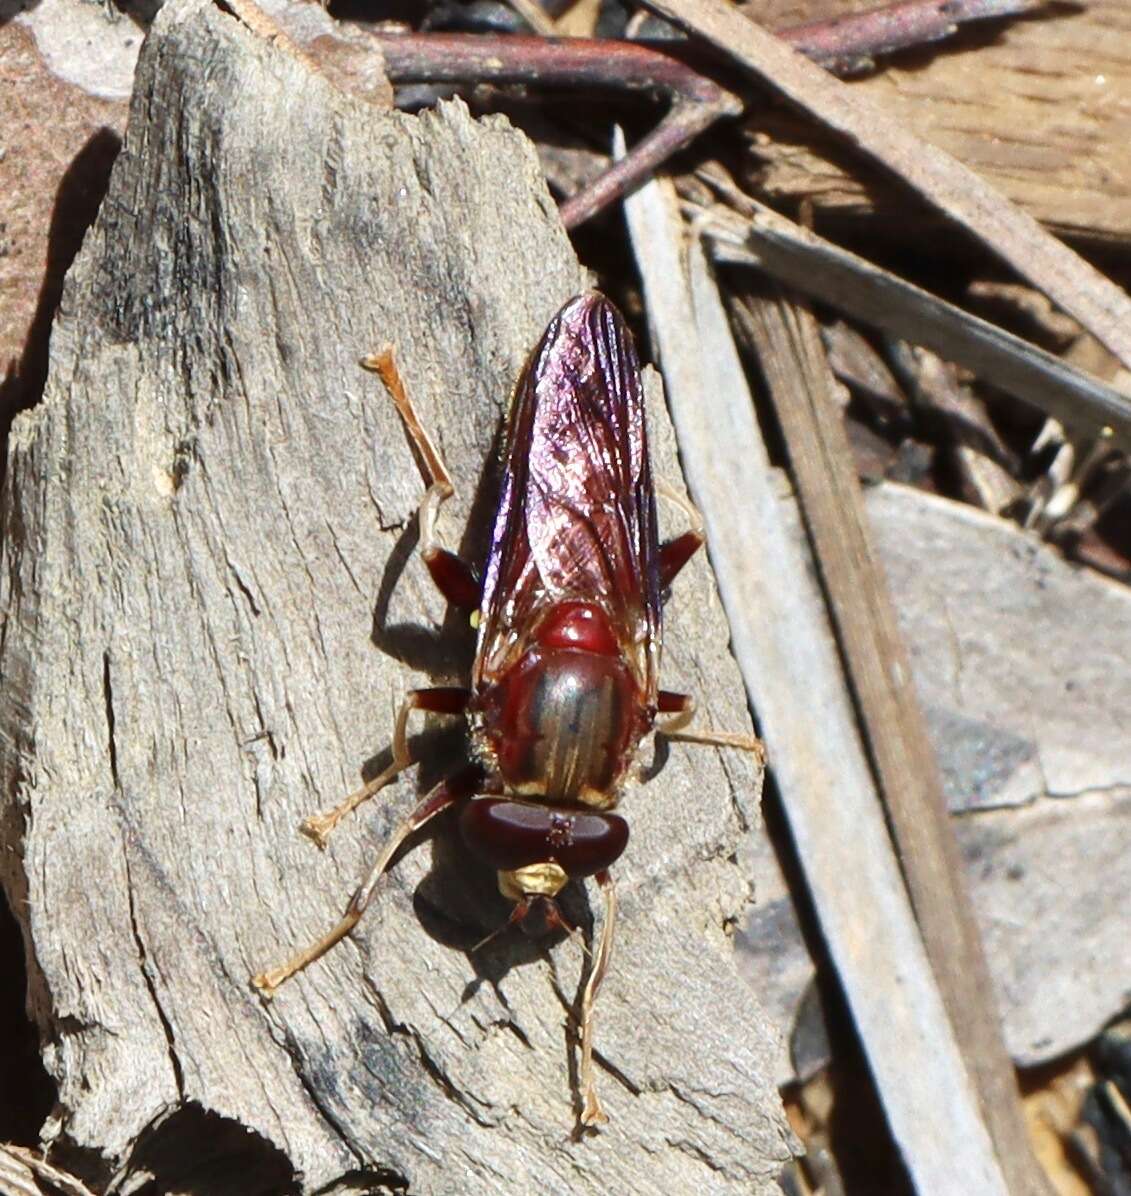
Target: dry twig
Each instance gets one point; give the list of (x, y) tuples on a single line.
[(817, 268), (670, 68), (961, 194), (788, 343)]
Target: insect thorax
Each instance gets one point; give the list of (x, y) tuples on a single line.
[(561, 725)]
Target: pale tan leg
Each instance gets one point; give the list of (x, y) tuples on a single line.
[(440, 486), (674, 728), (591, 1111), (710, 738), (666, 490), (444, 795), (319, 826), (385, 367), (454, 578)]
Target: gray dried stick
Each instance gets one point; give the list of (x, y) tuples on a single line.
[(210, 607), (955, 190), (784, 644)]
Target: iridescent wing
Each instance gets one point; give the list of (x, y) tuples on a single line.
[(577, 512)]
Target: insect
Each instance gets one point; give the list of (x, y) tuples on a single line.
[(565, 683)]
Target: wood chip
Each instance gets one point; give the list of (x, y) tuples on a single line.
[(211, 606)]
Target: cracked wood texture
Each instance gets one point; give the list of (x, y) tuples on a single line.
[(1038, 106), (211, 606)]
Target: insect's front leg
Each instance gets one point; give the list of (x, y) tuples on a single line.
[(442, 699), (454, 578), (457, 788), (591, 1111)]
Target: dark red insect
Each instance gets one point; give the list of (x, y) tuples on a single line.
[(565, 683)]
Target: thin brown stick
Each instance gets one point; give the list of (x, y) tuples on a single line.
[(668, 68), (672, 68), (787, 339), (679, 128), (845, 42), (1016, 237), (696, 100), (578, 62)]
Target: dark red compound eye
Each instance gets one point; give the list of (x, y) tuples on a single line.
[(511, 834)]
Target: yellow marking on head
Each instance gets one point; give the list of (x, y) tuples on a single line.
[(533, 880)]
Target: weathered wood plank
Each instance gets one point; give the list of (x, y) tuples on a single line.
[(210, 609), (1039, 108), (784, 641), (1016, 657)]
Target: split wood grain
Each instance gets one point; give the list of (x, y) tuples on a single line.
[(211, 606), (785, 645)]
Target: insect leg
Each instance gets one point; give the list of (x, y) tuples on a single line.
[(454, 578), (441, 700), (682, 709), (447, 793), (591, 1111), (675, 553)]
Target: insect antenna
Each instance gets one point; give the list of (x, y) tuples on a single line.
[(553, 920)]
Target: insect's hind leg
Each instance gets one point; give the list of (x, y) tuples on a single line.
[(447, 793), (440, 700), (681, 708), (675, 553), (454, 578)]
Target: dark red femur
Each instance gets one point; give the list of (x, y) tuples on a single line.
[(512, 834)]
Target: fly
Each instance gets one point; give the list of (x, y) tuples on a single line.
[(565, 683)]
